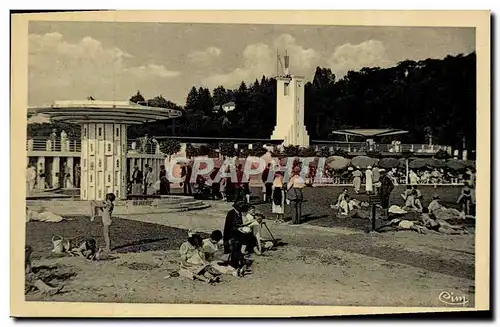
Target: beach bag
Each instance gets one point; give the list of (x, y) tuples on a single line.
[(60, 244)]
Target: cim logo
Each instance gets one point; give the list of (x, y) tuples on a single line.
[(452, 299)]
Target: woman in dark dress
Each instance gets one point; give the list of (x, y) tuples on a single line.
[(465, 199), (216, 195), (386, 187), (164, 182)]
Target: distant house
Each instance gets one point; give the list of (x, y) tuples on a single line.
[(229, 106)]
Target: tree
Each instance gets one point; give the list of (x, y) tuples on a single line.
[(191, 151), (192, 99), (170, 147), (137, 98), (308, 152), (324, 152), (291, 150), (227, 149), (220, 95)]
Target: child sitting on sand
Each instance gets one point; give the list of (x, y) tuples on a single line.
[(193, 263), (213, 249)]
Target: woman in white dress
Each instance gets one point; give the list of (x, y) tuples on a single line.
[(278, 196), (357, 180), (369, 180)]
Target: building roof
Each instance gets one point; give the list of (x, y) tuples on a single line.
[(229, 104), (370, 132), (96, 111)]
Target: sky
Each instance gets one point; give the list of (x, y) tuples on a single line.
[(112, 61)]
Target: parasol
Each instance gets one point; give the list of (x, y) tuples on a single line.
[(402, 163), (389, 163), (435, 163), (455, 164), (337, 162), (469, 163), (417, 164), (363, 161)]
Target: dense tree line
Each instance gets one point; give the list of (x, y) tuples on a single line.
[(430, 98)]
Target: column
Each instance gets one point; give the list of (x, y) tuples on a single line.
[(55, 173), (40, 173), (70, 181)]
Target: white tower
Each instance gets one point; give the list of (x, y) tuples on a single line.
[(290, 125)]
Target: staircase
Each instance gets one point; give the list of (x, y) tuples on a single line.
[(166, 204)]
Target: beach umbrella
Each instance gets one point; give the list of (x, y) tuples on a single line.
[(337, 162), (417, 163), (435, 163), (469, 163), (402, 163), (363, 161), (389, 163), (455, 164)]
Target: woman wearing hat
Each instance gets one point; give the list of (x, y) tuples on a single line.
[(295, 195), (357, 180)]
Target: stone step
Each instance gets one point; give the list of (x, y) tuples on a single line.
[(78, 207)]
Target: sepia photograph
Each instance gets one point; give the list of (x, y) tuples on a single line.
[(229, 162)]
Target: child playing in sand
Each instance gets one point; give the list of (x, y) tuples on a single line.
[(107, 210)]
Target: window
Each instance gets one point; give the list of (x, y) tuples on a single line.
[(100, 131), (287, 88), (118, 163), (109, 178), (85, 131), (117, 131), (100, 163), (109, 147)]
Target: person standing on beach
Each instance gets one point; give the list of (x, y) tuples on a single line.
[(386, 187)]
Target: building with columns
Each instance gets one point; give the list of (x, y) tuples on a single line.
[(103, 156)]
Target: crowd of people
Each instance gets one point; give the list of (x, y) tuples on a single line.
[(228, 252), (426, 175)]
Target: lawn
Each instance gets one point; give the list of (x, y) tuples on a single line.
[(126, 235), (316, 208)]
